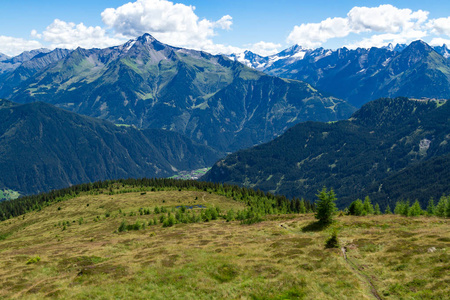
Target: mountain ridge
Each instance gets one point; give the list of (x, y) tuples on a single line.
[(209, 98), (416, 70)]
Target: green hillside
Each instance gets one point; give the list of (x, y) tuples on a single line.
[(109, 242)]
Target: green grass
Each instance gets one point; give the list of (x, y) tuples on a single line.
[(82, 254)]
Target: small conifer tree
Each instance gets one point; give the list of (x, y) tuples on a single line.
[(440, 209), (302, 208), (368, 207), (430, 207), (447, 210), (388, 211), (325, 206), (377, 210), (415, 209)]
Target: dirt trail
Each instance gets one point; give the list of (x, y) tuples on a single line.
[(361, 274)]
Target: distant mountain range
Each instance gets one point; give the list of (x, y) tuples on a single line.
[(209, 98), (389, 149), (43, 147), (361, 75)]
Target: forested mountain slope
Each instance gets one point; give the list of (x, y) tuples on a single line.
[(382, 151), (43, 147)]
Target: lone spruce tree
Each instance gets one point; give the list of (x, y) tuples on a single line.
[(325, 206)]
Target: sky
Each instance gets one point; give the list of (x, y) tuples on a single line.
[(221, 26)]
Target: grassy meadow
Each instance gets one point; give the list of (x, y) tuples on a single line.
[(73, 250)]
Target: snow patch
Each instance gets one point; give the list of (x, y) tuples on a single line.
[(299, 55), (129, 45), (385, 63)]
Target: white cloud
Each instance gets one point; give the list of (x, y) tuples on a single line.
[(224, 23), (440, 26), (171, 23), (440, 42), (311, 35), (69, 35), (389, 22), (13, 46), (380, 40), (264, 48), (385, 18)]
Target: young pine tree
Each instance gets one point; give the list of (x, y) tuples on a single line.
[(415, 209), (368, 207), (388, 211), (302, 208), (325, 206), (402, 208), (447, 210), (440, 209), (430, 207), (377, 210)]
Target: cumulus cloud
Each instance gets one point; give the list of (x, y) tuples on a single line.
[(440, 26), (69, 35), (13, 46), (440, 42), (224, 23), (172, 23), (387, 22), (385, 18), (264, 48), (314, 34)]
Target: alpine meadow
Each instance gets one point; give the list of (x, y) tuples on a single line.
[(197, 149)]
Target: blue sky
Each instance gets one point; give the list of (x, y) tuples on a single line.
[(225, 26)]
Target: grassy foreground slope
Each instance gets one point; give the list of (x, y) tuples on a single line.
[(73, 250)]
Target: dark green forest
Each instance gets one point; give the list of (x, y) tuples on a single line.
[(391, 149)]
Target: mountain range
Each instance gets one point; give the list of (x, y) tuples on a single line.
[(388, 150), (159, 109), (361, 75), (209, 98), (43, 148)]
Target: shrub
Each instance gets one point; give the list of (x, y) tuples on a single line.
[(162, 219), (123, 226), (356, 208), (332, 241), (230, 215), (170, 221), (33, 260)]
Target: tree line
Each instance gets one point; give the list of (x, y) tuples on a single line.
[(257, 201)]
